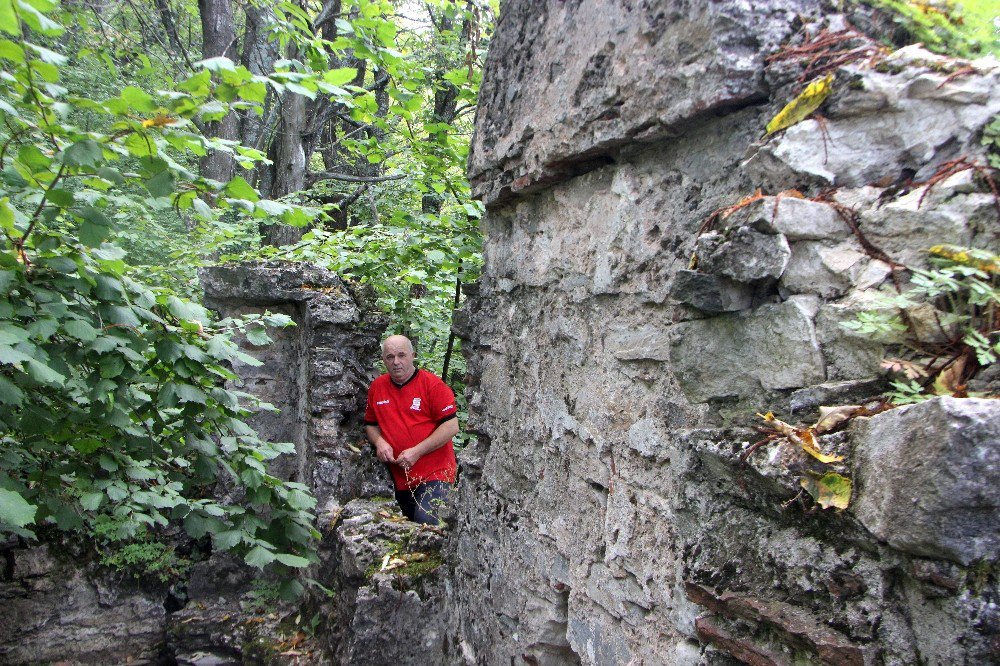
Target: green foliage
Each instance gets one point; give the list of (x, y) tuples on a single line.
[(146, 557), (967, 29), (947, 322), (112, 405)]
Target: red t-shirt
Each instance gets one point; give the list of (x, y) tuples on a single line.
[(407, 415)]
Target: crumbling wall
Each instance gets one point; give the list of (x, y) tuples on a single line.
[(603, 514)]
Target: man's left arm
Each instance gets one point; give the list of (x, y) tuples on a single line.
[(441, 436)]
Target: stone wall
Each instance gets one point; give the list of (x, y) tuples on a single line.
[(603, 515)]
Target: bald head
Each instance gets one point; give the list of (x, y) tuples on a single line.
[(398, 356), (396, 340)]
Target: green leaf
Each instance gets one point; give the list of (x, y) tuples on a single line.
[(92, 501), (44, 374), (259, 557), (138, 99), (238, 188), (290, 589), (10, 394), (80, 330), (257, 335), (188, 393), (218, 64), (15, 510), (292, 560), (95, 227), (228, 539), (300, 500), (84, 153), (162, 184), (8, 19), (340, 76)]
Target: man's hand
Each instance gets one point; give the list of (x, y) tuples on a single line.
[(384, 451), (408, 458)]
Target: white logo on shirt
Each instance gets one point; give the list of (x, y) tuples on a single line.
[(382, 402), (416, 404), (448, 407)]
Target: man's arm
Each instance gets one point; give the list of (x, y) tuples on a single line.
[(441, 435), (383, 450)]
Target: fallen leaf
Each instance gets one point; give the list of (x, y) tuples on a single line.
[(949, 380), (807, 440), (803, 105), (804, 437), (831, 489), (909, 369), (832, 417)]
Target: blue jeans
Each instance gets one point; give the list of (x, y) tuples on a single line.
[(423, 503)]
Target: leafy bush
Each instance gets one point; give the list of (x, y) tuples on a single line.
[(112, 404)]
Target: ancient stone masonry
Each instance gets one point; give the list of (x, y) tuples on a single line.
[(619, 348)]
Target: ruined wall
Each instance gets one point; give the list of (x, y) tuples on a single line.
[(601, 517)]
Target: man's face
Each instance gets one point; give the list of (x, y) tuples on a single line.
[(398, 358)]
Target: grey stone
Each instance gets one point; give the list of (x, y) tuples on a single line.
[(917, 120), (645, 342), (52, 610), (816, 268), (928, 478), (744, 255), (574, 81), (316, 373), (835, 393), (771, 347), (711, 293), (798, 219)]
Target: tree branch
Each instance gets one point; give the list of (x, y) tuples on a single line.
[(348, 178)]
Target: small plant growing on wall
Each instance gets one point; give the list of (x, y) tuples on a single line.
[(946, 324)]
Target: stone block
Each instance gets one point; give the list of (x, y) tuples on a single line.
[(711, 293), (798, 219), (567, 83), (745, 255), (913, 118), (927, 478), (639, 343), (773, 346), (815, 268)]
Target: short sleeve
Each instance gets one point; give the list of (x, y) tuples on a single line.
[(442, 402), (370, 417)]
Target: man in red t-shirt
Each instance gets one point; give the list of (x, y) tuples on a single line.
[(410, 420)]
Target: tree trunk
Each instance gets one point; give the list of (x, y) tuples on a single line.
[(259, 54), (219, 39)]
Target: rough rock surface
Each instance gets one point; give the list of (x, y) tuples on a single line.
[(388, 606), (603, 515), (928, 478), (55, 607), (569, 84)]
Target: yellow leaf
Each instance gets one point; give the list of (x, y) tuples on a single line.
[(828, 490), (807, 440), (804, 437), (802, 106), (159, 121)]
